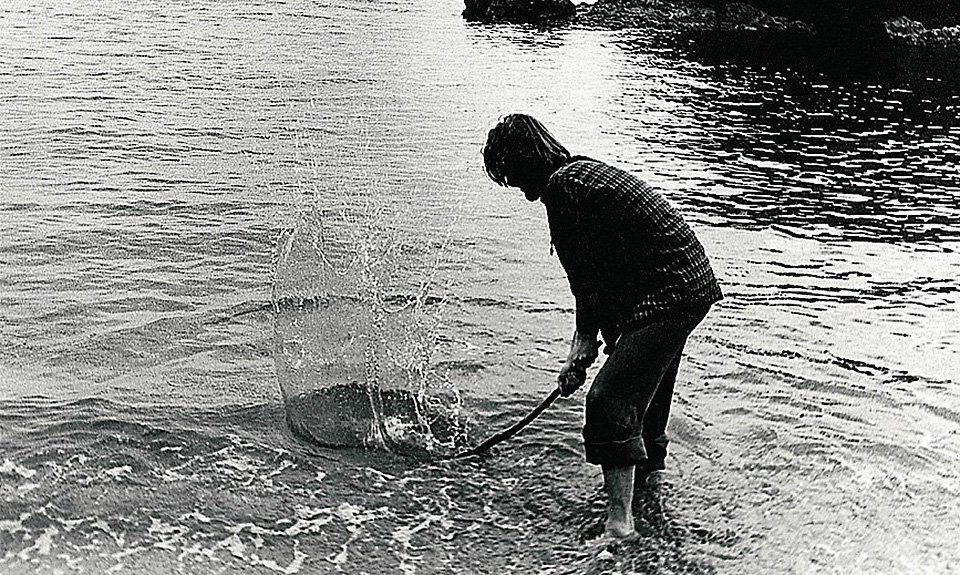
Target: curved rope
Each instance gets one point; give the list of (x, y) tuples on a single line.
[(512, 430)]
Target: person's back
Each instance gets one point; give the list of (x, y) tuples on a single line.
[(641, 257)]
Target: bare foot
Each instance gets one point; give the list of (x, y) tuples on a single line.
[(618, 483), (607, 541), (620, 528)]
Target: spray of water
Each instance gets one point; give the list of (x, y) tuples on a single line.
[(358, 307)]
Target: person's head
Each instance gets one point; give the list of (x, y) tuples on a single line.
[(521, 153)]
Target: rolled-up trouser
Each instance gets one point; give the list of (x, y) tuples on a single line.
[(629, 401)]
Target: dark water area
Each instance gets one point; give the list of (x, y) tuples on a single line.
[(853, 142), (238, 232)]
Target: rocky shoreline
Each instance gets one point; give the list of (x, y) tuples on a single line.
[(914, 34), (683, 15), (716, 16)]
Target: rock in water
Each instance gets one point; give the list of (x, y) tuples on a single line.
[(913, 33), (519, 11)]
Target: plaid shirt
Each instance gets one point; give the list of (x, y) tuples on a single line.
[(628, 254)]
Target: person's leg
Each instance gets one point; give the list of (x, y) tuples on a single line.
[(616, 403), (654, 427), (618, 483), (654, 420), (623, 389)]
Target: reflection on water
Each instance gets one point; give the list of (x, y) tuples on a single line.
[(165, 178), (871, 155)]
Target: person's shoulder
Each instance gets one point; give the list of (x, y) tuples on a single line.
[(585, 179), (576, 170)]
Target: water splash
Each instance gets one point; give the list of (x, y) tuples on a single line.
[(357, 316)]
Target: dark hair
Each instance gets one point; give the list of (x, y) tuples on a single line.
[(520, 144)]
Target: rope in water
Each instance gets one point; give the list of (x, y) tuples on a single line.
[(512, 430)]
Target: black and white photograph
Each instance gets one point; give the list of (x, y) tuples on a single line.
[(480, 287)]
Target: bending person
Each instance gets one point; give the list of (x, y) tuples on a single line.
[(640, 278)]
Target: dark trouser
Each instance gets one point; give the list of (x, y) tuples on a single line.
[(629, 401)]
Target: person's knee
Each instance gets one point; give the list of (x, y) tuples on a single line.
[(595, 420), (608, 416), (593, 396), (597, 404)]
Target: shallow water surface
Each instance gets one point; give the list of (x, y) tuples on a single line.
[(214, 209)]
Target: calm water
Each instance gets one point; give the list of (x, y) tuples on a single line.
[(169, 169)]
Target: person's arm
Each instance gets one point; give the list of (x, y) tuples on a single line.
[(583, 346), (572, 237)]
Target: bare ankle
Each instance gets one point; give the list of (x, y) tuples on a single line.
[(620, 527), (618, 482)]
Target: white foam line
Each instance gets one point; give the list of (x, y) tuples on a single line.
[(105, 527), (42, 545), (11, 468), (404, 535), (117, 472), (195, 515), (127, 552), (307, 526), (340, 558), (497, 519), (291, 569), (380, 475), (74, 563), (284, 465), (71, 524), (199, 458), (14, 525), (200, 550), (27, 488), (253, 529), (160, 527), (234, 545), (308, 520)]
